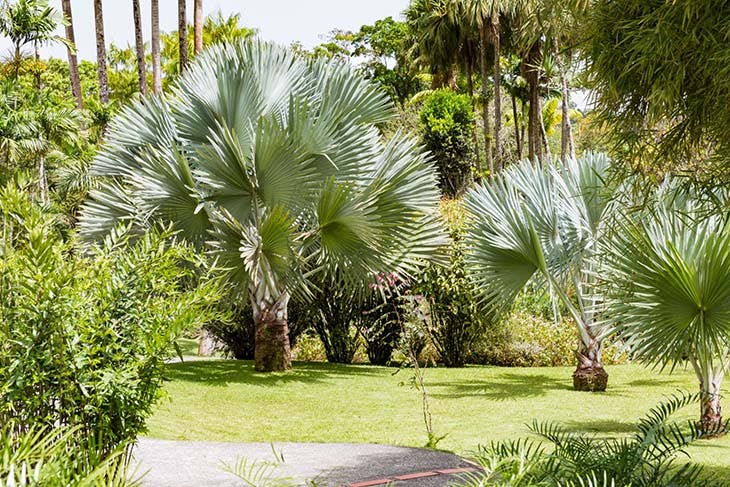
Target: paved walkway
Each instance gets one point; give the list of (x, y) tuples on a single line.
[(203, 464)]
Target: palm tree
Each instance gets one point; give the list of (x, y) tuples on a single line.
[(280, 182), (155, 40), (543, 224), (28, 22), (198, 26), (139, 46), (669, 293), (72, 60), (101, 53), (182, 35)]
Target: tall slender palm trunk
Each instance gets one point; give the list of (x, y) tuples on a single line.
[(139, 46), (518, 128), (495, 38), (73, 65), (470, 91), (534, 126), (182, 35), (101, 53), (155, 41), (198, 26), (567, 147), (485, 98)]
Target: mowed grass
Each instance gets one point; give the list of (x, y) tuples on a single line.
[(320, 402)]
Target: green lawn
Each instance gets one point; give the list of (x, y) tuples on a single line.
[(319, 402)]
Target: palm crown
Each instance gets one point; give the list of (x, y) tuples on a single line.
[(275, 164)]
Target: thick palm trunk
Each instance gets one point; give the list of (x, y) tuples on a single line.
[(139, 46), (532, 74), (470, 91), (101, 53), (73, 65), (485, 98), (590, 375), (711, 422), (182, 35), (272, 352), (198, 25), (494, 24), (155, 40)]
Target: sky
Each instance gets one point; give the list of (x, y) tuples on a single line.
[(282, 21)]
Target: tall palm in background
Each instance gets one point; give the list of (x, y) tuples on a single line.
[(73, 65), (182, 35), (101, 53), (275, 164), (155, 46), (198, 26), (669, 290), (544, 224), (139, 47)]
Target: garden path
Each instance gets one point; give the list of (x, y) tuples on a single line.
[(166, 463)]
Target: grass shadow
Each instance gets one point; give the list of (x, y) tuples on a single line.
[(507, 385), (608, 427), (224, 372)]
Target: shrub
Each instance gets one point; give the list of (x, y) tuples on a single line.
[(83, 339), (647, 458), (446, 121), (454, 319)]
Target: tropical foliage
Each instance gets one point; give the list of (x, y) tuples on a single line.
[(544, 224), (289, 179)]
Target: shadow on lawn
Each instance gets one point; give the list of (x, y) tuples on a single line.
[(608, 427), (503, 387), (222, 372)]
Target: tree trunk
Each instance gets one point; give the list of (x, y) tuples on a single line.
[(155, 39), (182, 35), (590, 375), (544, 139), (494, 24), (532, 74), (42, 180), (198, 25), (139, 45), (567, 148), (485, 98), (37, 73), (518, 139), (470, 91), (272, 352), (101, 53), (73, 65), (710, 423)]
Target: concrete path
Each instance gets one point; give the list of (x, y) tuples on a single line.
[(203, 464)]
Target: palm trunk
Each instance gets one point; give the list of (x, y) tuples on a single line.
[(73, 65), (532, 74), (567, 148), (182, 35), (101, 53), (590, 375), (155, 39), (42, 180), (198, 25), (470, 91), (272, 352), (37, 74), (518, 128), (139, 45), (544, 139), (710, 423), (485, 98), (497, 93)]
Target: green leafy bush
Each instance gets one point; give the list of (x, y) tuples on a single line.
[(454, 319), (647, 458), (446, 121), (84, 338)]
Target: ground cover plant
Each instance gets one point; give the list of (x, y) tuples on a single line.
[(229, 401)]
